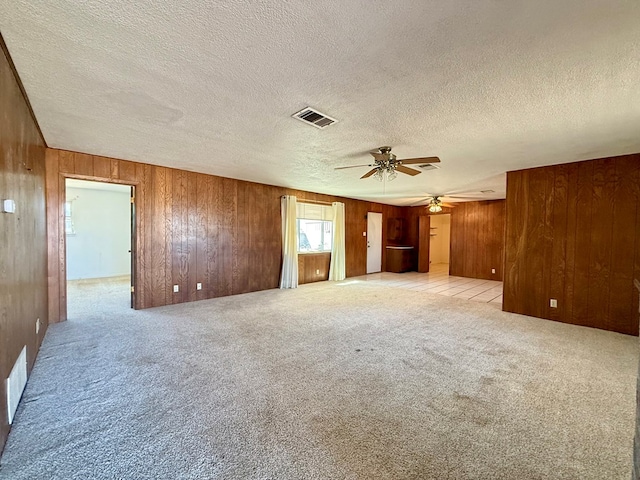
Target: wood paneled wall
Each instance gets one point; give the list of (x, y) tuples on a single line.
[(194, 228), (573, 234), (23, 252), (477, 240), (477, 237), (313, 267)]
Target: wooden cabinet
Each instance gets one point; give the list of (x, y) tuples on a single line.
[(399, 259)]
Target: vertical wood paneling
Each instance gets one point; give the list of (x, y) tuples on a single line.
[(142, 233), (604, 181), (585, 244), (228, 237), (102, 167), (477, 238), (248, 225), (214, 242), (190, 227), (168, 236), (178, 241), (558, 227), (584, 219), (83, 164), (514, 256), (53, 231), (23, 240), (127, 171), (313, 267), (192, 237), (203, 193)]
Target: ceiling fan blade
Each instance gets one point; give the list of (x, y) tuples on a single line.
[(413, 161), (467, 197), (369, 173), (407, 170), (354, 166)]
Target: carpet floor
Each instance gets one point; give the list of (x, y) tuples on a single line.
[(330, 381)]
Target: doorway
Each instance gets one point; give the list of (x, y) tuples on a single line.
[(440, 242), (98, 225), (374, 242)]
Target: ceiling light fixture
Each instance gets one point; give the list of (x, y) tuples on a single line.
[(435, 205), (387, 170)]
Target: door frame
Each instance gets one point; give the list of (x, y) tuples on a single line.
[(61, 261)]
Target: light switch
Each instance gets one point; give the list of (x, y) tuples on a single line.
[(176, 288), (198, 286), (364, 234), (8, 206)]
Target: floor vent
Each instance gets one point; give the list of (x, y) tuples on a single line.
[(428, 166), (314, 118), (16, 383)]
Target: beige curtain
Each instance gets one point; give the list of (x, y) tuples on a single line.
[(289, 276), (337, 267)]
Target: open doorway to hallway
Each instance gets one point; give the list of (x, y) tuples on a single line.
[(439, 242), (98, 237)]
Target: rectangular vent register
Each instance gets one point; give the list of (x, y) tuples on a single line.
[(314, 118)]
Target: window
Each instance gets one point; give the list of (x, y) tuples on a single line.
[(314, 227), (314, 235)]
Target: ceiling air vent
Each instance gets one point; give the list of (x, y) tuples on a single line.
[(427, 166), (313, 117)]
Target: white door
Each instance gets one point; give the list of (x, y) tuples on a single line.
[(374, 242)]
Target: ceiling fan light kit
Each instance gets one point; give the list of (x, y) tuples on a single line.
[(386, 165), (435, 205)]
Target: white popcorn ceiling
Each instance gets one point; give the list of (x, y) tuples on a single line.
[(488, 86)]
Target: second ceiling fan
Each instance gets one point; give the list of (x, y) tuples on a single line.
[(386, 162)]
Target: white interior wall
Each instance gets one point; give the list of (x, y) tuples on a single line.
[(440, 238), (102, 223)]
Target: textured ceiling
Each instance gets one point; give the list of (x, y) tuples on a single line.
[(488, 86)]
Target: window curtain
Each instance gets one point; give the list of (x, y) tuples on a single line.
[(289, 277), (337, 267)]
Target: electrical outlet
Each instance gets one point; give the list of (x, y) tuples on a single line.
[(493, 270), (553, 303), (176, 288), (198, 286), (364, 234), (37, 326), (317, 271)]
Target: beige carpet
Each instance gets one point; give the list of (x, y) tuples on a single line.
[(329, 381)]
